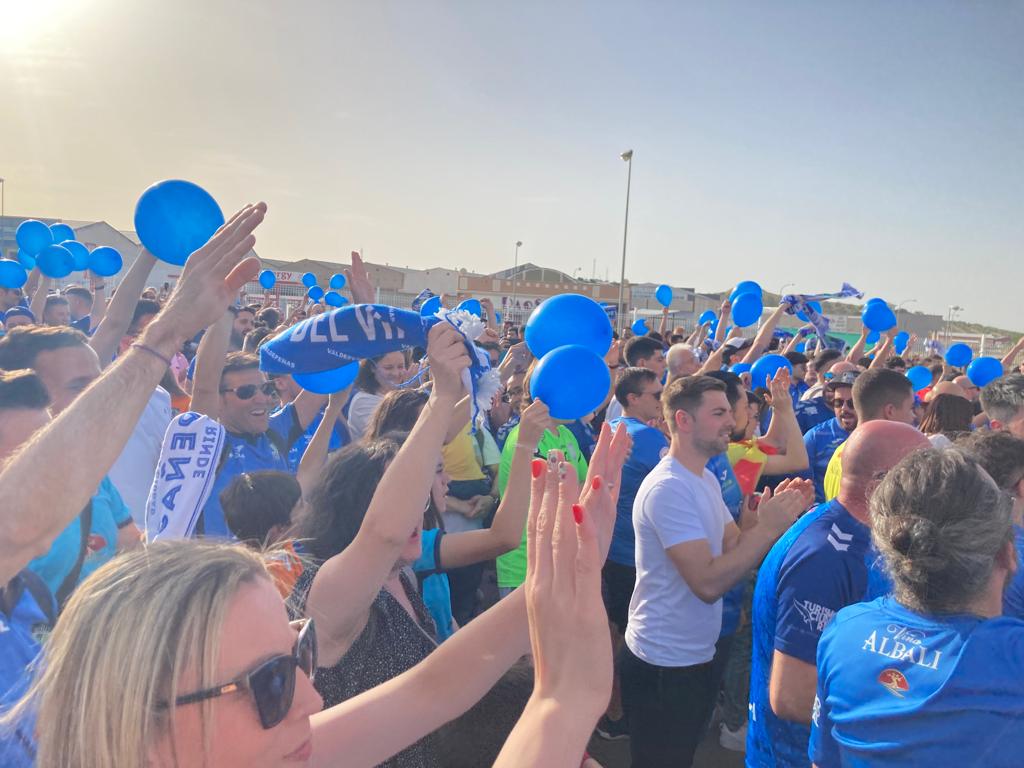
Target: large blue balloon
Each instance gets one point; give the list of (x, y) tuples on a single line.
[(12, 274), (920, 377), (33, 236), (746, 286), (764, 370), (572, 381), (55, 261), (707, 316), (663, 295), (28, 262), (472, 306), (815, 305), (959, 355), (79, 252), (61, 232), (334, 299), (639, 327), (175, 218), (878, 317), (105, 261), (747, 309), (268, 279), (309, 279), (430, 307), (983, 370), (569, 318), (876, 300), (337, 281), (316, 293), (328, 382), (900, 341)]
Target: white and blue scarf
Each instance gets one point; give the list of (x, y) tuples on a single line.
[(800, 302)]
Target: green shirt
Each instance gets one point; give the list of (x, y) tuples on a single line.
[(512, 565)]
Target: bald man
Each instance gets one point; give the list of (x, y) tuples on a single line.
[(681, 361), (971, 390), (947, 388), (819, 566)]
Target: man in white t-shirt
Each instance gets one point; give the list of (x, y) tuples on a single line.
[(639, 352), (689, 553)]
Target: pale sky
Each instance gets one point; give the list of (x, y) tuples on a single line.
[(880, 143)]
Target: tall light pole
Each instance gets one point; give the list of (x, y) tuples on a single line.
[(515, 272), (782, 290), (900, 306), (627, 157), (953, 310)]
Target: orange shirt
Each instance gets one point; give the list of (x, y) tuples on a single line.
[(284, 567)]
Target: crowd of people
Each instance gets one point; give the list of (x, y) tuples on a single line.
[(817, 568)]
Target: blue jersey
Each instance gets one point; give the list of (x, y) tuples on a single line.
[(649, 445), (821, 442), (796, 391), (896, 688), (434, 586), (733, 497), (1013, 597), (816, 568), (811, 413), (340, 437), (248, 453)]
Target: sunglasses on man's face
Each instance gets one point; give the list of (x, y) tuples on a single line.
[(248, 391), (840, 402), (272, 683)]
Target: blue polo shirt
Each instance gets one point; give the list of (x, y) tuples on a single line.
[(821, 442), (816, 568), (811, 413), (896, 688), (732, 495), (649, 445), (1013, 597), (340, 437)]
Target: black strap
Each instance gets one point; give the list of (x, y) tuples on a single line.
[(41, 594), (71, 580)]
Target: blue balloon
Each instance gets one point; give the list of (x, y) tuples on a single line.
[(33, 236), (61, 232), (268, 279), (430, 307), (571, 380), (663, 295), (567, 319), (28, 262), (105, 261), (764, 370), (472, 306), (920, 377), (707, 316), (55, 261), (876, 300), (79, 252), (639, 328), (959, 355), (12, 274), (316, 293), (309, 279), (900, 341), (175, 218), (746, 286), (815, 305), (747, 309), (878, 317), (333, 299), (337, 281), (801, 347), (984, 370), (739, 368), (497, 316), (328, 382), (873, 337)]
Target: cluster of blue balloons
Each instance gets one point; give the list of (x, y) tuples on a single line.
[(56, 252), (431, 306), (570, 334), (747, 304)]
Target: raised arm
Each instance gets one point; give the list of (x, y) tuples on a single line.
[(38, 302), (723, 321), (44, 486), (764, 336), (784, 430), (209, 365), (1010, 356), (359, 281), (315, 455), (99, 302), (307, 405), (857, 350), (799, 336), (884, 350), (111, 328), (663, 325)]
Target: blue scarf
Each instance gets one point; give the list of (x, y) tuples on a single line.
[(801, 303)]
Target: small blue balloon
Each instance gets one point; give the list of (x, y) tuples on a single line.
[(801, 347), (431, 306), (61, 232), (333, 299), (12, 274), (878, 317), (472, 306), (764, 370), (33, 236), (55, 261), (79, 252), (639, 328), (569, 319), (28, 262), (497, 316), (105, 261), (309, 279), (268, 279), (739, 368), (984, 370), (664, 295), (337, 281), (815, 305), (328, 382), (900, 341), (746, 286), (572, 381), (920, 377), (873, 337), (959, 355), (707, 316), (175, 218), (316, 293), (747, 309)]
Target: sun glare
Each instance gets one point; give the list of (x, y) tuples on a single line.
[(22, 22)]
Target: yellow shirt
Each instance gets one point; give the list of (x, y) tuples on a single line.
[(834, 473), (460, 458)]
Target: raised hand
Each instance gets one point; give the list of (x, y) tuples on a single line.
[(359, 281), (446, 351), (781, 401), (532, 423), (601, 491), (780, 510)]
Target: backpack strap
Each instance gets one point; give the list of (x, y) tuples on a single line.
[(41, 594), (71, 580)]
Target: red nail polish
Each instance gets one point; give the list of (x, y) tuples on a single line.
[(577, 513), (596, 484), (537, 467)]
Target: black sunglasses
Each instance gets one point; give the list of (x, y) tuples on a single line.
[(272, 683), (840, 402), (248, 391)]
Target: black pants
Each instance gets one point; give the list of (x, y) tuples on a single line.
[(667, 708)]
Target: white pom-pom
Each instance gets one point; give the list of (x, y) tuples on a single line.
[(487, 387), (471, 326)]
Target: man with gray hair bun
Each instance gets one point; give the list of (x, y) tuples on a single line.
[(682, 361), (932, 675), (1003, 401)]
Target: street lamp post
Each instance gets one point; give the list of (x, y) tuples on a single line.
[(627, 157), (782, 290), (900, 307), (515, 273)]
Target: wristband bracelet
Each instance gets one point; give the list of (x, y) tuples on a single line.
[(145, 348)]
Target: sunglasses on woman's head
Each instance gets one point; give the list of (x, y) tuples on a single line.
[(272, 683), (248, 391)]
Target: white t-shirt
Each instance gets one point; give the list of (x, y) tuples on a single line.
[(360, 411), (669, 626), (614, 410), (133, 471)]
